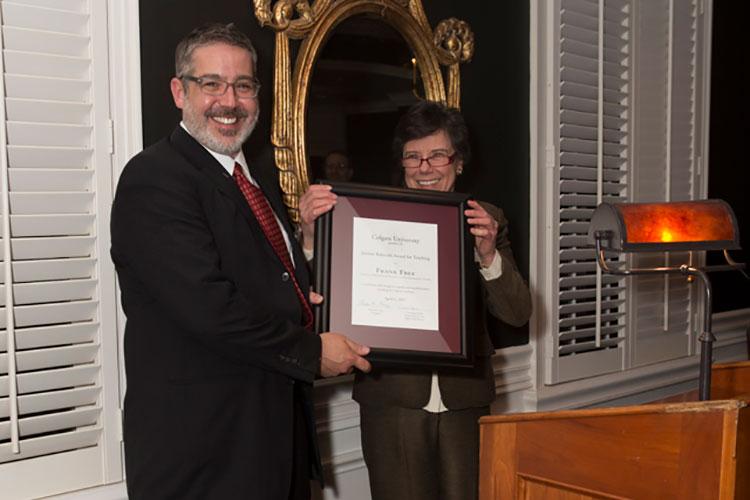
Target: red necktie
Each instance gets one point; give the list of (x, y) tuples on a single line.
[(267, 220)]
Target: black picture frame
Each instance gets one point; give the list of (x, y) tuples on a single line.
[(451, 345)]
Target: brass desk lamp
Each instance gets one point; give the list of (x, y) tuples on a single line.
[(664, 227)]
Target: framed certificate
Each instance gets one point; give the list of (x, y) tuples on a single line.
[(392, 265)]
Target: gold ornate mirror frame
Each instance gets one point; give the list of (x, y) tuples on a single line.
[(450, 44)]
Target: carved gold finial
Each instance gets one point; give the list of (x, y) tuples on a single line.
[(282, 14), (454, 41), (263, 11)]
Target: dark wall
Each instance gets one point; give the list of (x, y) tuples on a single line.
[(728, 178), (495, 95)]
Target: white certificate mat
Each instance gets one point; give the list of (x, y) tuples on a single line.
[(395, 274)]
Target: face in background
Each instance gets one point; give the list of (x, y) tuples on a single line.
[(337, 167), (221, 123), (426, 176)]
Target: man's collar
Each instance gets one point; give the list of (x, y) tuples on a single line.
[(224, 160)]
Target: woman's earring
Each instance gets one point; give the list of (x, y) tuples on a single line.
[(459, 170)]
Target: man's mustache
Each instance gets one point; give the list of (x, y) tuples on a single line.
[(226, 112)]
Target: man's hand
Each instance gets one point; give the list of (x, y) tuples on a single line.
[(317, 200), (341, 355), (484, 228)]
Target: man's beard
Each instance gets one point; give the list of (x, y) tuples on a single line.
[(198, 127)]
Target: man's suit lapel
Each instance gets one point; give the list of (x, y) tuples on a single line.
[(270, 188), (197, 156)]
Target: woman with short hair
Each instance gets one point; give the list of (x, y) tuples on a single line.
[(420, 432)]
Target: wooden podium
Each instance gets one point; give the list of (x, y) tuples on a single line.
[(731, 380), (697, 450)]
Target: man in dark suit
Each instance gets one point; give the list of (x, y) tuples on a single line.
[(219, 354)]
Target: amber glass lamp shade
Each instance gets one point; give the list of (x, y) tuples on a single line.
[(660, 227)]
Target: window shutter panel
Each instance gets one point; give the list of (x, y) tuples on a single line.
[(628, 81), (664, 168), (593, 167), (58, 391)]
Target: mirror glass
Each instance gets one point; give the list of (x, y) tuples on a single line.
[(362, 82)]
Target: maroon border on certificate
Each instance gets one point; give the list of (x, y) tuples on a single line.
[(448, 338)]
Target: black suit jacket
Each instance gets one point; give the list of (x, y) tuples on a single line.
[(214, 347)]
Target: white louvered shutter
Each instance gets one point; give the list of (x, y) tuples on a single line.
[(628, 114), (593, 164), (664, 170), (58, 364)]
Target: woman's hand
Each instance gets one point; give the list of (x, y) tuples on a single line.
[(317, 200), (484, 228), (315, 298)]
